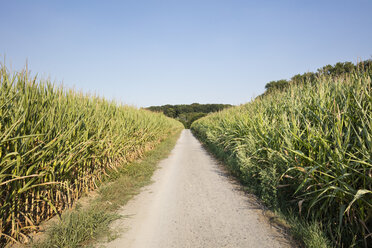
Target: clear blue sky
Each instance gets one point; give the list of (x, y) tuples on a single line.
[(179, 52)]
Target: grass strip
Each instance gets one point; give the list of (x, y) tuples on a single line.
[(82, 226)]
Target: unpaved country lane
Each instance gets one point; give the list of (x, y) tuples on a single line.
[(193, 204)]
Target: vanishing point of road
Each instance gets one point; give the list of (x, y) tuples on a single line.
[(192, 203)]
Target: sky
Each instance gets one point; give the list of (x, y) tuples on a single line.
[(157, 52)]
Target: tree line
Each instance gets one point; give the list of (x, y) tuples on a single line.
[(188, 113), (338, 69)]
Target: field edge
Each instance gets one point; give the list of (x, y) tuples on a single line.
[(89, 221), (301, 232)]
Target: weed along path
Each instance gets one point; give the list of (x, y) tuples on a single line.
[(192, 203)]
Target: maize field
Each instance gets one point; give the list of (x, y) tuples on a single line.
[(56, 144), (307, 149)]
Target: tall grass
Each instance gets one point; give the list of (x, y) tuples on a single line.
[(56, 144), (308, 148)]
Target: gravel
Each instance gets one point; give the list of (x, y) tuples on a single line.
[(193, 203)]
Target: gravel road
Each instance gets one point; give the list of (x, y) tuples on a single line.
[(192, 203)]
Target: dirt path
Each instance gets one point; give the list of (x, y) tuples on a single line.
[(193, 204)]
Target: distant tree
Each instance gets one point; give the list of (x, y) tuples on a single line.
[(326, 70), (280, 84), (171, 112), (349, 67), (338, 69), (187, 114)]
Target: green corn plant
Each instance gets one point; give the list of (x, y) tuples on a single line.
[(307, 148), (56, 144)]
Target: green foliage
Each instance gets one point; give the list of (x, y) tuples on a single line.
[(187, 114), (306, 148), (339, 69), (56, 144), (188, 118), (77, 227), (310, 233), (274, 85)]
